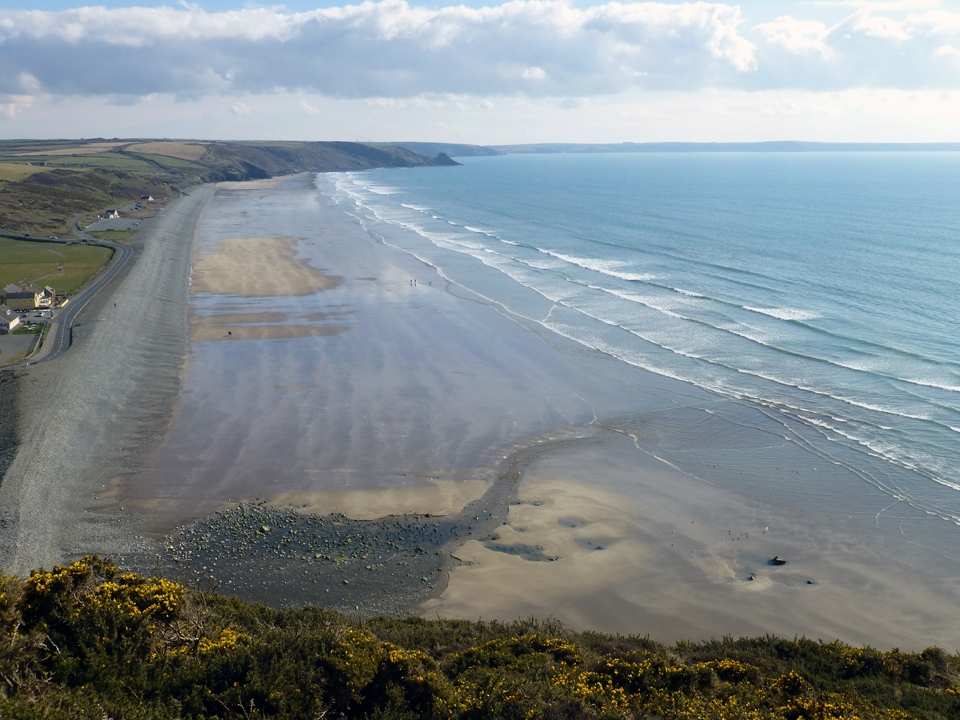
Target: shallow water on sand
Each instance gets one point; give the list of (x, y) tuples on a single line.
[(392, 379), (818, 285), (399, 386)]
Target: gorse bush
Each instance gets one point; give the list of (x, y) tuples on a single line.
[(87, 640)]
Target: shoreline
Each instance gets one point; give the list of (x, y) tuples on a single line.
[(557, 469)]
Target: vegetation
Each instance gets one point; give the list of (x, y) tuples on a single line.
[(28, 329), (16, 171), (87, 640), (116, 236), (47, 187), (35, 264)]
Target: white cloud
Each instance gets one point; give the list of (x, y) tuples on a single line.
[(881, 5), (950, 52), (935, 24), (883, 28), (375, 49), (710, 114), (28, 88), (797, 36), (452, 57), (533, 73)]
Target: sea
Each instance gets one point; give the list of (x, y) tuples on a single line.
[(819, 287)]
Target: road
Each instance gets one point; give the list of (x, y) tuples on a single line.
[(60, 334)]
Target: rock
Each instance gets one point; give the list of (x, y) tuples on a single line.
[(777, 560)]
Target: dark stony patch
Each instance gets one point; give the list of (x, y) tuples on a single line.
[(283, 557), (534, 553), (286, 558)]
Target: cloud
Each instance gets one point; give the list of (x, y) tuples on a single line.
[(378, 49), (883, 28), (881, 5), (871, 47), (533, 73), (26, 90), (799, 37), (529, 48)]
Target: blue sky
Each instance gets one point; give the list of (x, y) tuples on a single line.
[(494, 71)]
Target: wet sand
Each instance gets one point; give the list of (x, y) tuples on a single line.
[(567, 483), (406, 395), (489, 468), (651, 550)]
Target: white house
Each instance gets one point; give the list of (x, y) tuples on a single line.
[(44, 298), (8, 320)]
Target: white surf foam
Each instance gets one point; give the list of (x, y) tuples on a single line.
[(784, 313), (604, 267)]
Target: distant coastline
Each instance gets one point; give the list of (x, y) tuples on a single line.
[(793, 146)]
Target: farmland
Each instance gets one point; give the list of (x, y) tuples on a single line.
[(35, 264)]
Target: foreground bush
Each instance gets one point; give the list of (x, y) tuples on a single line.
[(90, 641)]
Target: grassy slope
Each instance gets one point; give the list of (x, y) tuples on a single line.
[(64, 184), (116, 236), (11, 172), (87, 641), (60, 188), (35, 264)]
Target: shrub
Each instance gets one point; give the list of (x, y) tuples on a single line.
[(87, 640)]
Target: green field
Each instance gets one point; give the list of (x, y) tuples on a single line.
[(64, 267), (107, 160), (11, 172)]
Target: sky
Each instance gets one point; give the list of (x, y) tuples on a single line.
[(490, 71)]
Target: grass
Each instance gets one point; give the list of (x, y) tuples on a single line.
[(90, 641), (183, 151), (11, 172), (32, 329), (78, 180), (35, 264), (105, 160), (92, 148), (116, 236)]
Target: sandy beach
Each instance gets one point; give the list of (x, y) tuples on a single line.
[(257, 267), (655, 551), (322, 418)]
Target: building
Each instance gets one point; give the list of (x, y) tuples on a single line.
[(15, 292), (45, 298), (111, 215), (8, 320), (16, 297)]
